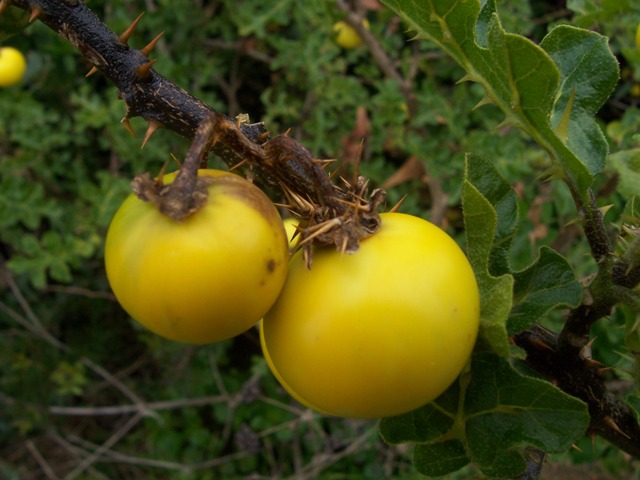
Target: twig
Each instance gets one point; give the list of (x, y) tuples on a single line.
[(46, 468), (354, 19), (32, 323), (579, 376), (83, 292), (318, 464), (110, 442), (113, 456), (129, 409)]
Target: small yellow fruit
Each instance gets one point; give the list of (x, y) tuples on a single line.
[(638, 37), (12, 66), (346, 35)]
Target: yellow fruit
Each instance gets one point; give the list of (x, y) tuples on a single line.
[(12, 66), (346, 35)]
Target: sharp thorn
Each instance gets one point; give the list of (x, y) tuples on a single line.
[(264, 137), (604, 370), (541, 345), (126, 35), (35, 13), (397, 206), (611, 423), (238, 165), (143, 70), (153, 127), (127, 125), (146, 51), (589, 362), (160, 177), (486, 100), (91, 72), (175, 160), (286, 134), (343, 247), (323, 162)]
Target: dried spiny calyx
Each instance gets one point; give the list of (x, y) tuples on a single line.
[(329, 214), (176, 203), (359, 220)]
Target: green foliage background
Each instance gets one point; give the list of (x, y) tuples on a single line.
[(68, 353)]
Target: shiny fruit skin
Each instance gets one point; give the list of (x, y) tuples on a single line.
[(380, 332), (12, 66), (207, 278)]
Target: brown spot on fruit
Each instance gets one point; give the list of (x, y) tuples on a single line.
[(271, 265)]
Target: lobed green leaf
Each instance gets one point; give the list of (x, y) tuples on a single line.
[(481, 227), (588, 74), (523, 80), (440, 458), (544, 286), (506, 411)]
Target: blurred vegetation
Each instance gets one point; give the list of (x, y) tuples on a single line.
[(85, 392)]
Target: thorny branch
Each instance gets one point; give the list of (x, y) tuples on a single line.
[(287, 168), (329, 214)]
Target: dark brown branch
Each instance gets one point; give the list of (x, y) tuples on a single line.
[(280, 165), (579, 375)]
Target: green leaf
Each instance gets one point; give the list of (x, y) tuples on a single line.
[(440, 458), (589, 12), (518, 76), (497, 191), (425, 424), (545, 285), (588, 74), (506, 411), (627, 164), (481, 227), (489, 417)]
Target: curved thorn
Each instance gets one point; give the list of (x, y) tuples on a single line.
[(146, 51), (126, 35), (35, 13), (127, 125), (153, 127), (91, 72), (611, 423)]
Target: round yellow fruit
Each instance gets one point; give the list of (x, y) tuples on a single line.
[(204, 279), (12, 66), (379, 332)]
